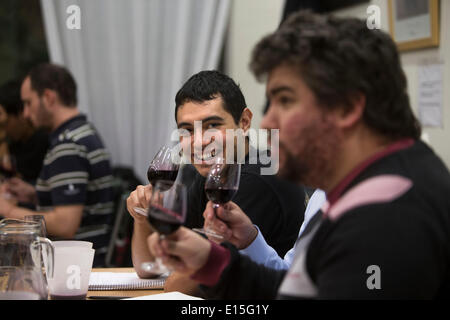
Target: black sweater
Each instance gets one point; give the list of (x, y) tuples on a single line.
[(406, 238)]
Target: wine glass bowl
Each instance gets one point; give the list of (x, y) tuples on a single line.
[(167, 208), (166, 213), (221, 185), (163, 169)]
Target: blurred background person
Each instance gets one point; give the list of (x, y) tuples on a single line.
[(74, 188), (25, 144)]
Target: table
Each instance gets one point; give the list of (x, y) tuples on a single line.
[(120, 293)]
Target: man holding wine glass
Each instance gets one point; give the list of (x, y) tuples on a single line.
[(211, 101), (338, 95)]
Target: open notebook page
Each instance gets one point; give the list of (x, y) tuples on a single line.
[(123, 281)]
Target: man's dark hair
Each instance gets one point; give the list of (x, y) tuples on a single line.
[(57, 78), (339, 58), (10, 98), (208, 85)]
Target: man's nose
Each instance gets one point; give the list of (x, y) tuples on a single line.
[(201, 139), (26, 112), (270, 119)]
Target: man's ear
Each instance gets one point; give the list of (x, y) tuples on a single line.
[(246, 119), (349, 116), (49, 97)]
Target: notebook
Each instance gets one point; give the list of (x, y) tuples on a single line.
[(123, 281)]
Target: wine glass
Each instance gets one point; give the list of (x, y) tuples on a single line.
[(221, 185), (166, 213), (162, 169)]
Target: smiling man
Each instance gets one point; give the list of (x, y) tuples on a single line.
[(212, 101), (209, 118), (216, 101)]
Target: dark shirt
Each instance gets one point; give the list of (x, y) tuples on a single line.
[(276, 206), (404, 239), (29, 155), (76, 171), (187, 174)]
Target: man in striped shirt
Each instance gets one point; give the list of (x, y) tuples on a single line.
[(74, 188)]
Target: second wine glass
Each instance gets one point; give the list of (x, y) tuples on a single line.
[(166, 213), (221, 185), (163, 169)]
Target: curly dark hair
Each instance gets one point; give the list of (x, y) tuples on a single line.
[(210, 84), (10, 97), (339, 58)]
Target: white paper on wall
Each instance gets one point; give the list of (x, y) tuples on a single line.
[(430, 94)]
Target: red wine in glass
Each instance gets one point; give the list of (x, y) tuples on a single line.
[(221, 185), (166, 177), (220, 195), (163, 169), (164, 220), (166, 213)]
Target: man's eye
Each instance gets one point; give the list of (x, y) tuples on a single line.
[(190, 130), (213, 125), (285, 100)]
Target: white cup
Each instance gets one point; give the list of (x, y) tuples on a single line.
[(72, 243), (73, 265)]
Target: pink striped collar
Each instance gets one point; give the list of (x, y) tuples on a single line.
[(378, 189), (337, 191)]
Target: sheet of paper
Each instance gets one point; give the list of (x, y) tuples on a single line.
[(430, 95), (167, 296)]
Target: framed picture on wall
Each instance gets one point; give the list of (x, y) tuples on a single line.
[(414, 24)]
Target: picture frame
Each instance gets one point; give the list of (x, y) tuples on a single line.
[(414, 24)]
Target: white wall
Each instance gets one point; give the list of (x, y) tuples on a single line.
[(251, 19), (438, 138)]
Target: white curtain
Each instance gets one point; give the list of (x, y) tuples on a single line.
[(129, 59)]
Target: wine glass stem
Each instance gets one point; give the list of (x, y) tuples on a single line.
[(161, 265), (215, 207)]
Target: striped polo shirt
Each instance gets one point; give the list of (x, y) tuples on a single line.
[(77, 170)]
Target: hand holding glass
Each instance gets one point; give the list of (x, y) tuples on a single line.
[(162, 169), (221, 185), (166, 213)]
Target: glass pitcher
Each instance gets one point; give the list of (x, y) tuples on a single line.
[(21, 272)]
